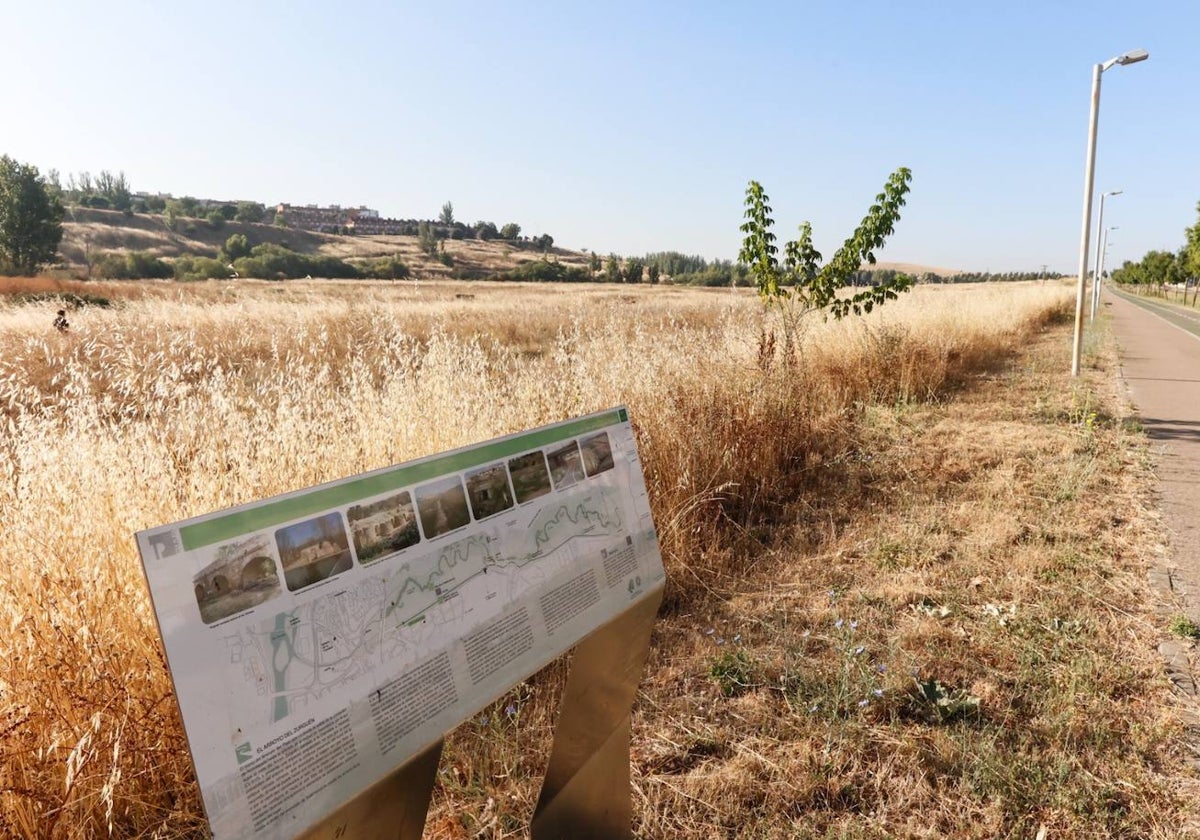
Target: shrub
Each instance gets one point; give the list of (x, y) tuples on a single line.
[(387, 268), (191, 267), (134, 265), (541, 271), (236, 247), (274, 262)]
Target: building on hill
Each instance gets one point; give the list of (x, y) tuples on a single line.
[(337, 219)]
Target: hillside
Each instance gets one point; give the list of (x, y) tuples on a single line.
[(89, 233)]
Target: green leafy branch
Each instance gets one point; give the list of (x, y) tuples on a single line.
[(801, 284)]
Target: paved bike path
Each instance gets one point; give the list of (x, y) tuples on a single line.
[(1160, 362)]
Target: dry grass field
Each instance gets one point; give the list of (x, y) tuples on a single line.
[(906, 570)]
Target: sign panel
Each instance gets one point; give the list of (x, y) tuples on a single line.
[(319, 639)]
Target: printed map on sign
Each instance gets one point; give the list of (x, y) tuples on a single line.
[(325, 645), (361, 619)]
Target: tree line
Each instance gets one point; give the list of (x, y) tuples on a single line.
[(1158, 270)]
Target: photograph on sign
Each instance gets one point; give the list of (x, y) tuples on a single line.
[(383, 528), (566, 466), (313, 550), (443, 506), (320, 639), (489, 491), (530, 476), (242, 575)]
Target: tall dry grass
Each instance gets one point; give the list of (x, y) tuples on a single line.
[(161, 409)]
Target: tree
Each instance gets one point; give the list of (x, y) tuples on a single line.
[(1191, 262), (652, 272), (486, 231), (236, 247), (612, 269), (510, 231), (802, 284), (249, 211), (1156, 268), (114, 189), (544, 242), (447, 215), (30, 218), (633, 270), (426, 238)]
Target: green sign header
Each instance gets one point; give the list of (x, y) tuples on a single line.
[(268, 513)]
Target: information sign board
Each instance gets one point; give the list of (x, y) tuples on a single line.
[(320, 639)]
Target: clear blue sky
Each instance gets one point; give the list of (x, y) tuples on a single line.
[(631, 127)]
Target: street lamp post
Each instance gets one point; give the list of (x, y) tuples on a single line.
[(1099, 227), (1131, 57), (1100, 270)]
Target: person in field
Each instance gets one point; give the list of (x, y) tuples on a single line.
[(60, 321)]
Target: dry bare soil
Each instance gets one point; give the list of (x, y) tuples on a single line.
[(907, 568)]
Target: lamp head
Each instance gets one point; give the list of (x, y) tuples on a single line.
[(1132, 57)]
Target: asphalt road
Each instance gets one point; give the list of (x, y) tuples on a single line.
[(1160, 363)]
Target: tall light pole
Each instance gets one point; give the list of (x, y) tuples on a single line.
[(1100, 270), (1099, 227), (1131, 57)]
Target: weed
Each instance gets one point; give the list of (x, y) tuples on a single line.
[(939, 704), (1183, 626), (733, 672)]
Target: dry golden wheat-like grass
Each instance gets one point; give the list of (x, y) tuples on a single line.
[(787, 493)]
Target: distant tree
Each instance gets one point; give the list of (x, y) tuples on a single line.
[(652, 272), (612, 269), (594, 262), (1191, 259), (427, 239), (510, 231), (215, 219), (188, 206), (30, 218), (544, 242), (249, 211), (633, 270), (486, 231), (114, 189), (446, 217), (236, 247), (1156, 268)]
